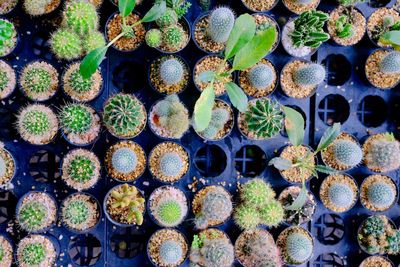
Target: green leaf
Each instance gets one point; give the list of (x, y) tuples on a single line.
[(328, 137), (391, 38), (155, 12), (237, 97), (92, 61), (242, 32), (280, 163), (203, 109), (207, 76), (294, 125), (300, 200), (325, 169), (255, 50), (126, 7)]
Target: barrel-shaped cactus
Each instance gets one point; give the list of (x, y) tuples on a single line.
[(92, 41), (76, 118), (171, 164), (173, 36), (247, 217), (340, 195), (169, 212), (347, 153), (256, 193), (309, 75), (154, 38), (299, 247), (66, 44), (81, 17), (221, 21), (124, 160), (36, 7), (381, 194), (272, 213), (219, 118), (168, 18), (171, 71), (170, 252), (261, 76), (390, 64)]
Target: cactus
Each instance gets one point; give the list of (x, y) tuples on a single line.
[(381, 194), (264, 118), (304, 2), (34, 122), (92, 41), (171, 71), (344, 28), (32, 216), (173, 36), (171, 164), (169, 212), (347, 153), (170, 252), (8, 37), (33, 254), (272, 213), (39, 79), (126, 196), (36, 7), (383, 153), (77, 212), (390, 64), (154, 38), (221, 22), (388, 20), (298, 247), (340, 195), (217, 252), (261, 76), (219, 117), (81, 169), (81, 17), (124, 115), (374, 225), (167, 19), (246, 217), (256, 193), (124, 160), (4, 80), (76, 118), (309, 75), (66, 44), (78, 83)]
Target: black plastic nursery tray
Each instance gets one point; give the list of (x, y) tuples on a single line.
[(346, 97)]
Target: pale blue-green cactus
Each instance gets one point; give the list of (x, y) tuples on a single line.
[(381, 194), (299, 247), (309, 75), (171, 71), (220, 24), (170, 252), (341, 195), (390, 64), (124, 160), (261, 76), (171, 164), (347, 153)]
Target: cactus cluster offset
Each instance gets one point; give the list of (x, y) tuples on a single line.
[(170, 252), (219, 117), (221, 21), (256, 193), (381, 194), (261, 76), (124, 160), (390, 64), (33, 254), (171, 71), (340, 195), (310, 75), (247, 217), (272, 213), (81, 17), (81, 169), (382, 154), (66, 44), (93, 40), (76, 118), (299, 247), (171, 164), (347, 153)]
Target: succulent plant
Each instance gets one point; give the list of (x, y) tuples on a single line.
[(264, 118), (381, 194), (38, 78), (374, 226), (169, 212), (78, 83), (33, 254), (81, 17), (344, 28), (168, 18), (173, 36), (260, 76), (171, 164), (32, 216), (347, 153), (298, 247), (124, 160), (81, 169), (340, 195), (66, 44), (247, 217), (8, 36), (76, 212), (170, 252), (256, 193), (171, 71), (154, 38), (217, 252), (219, 117), (4, 80), (390, 64), (304, 2), (92, 41), (383, 153), (36, 7), (76, 118), (35, 122), (124, 115), (309, 75), (272, 213), (221, 21)]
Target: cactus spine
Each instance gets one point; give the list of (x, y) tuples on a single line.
[(217, 252), (298, 247), (168, 18), (221, 22), (76, 118), (81, 17), (309, 75), (66, 44), (174, 36), (381, 194), (261, 76), (154, 38), (124, 160), (171, 71), (171, 164), (347, 153), (170, 252), (383, 153), (390, 64), (340, 195)]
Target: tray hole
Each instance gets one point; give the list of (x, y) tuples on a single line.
[(8, 203), (210, 160), (378, 3), (41, 46), (333, 108), (329, 260), (84, 250), (7, 129), (44, 166), (372, 111), (338, 69), (250, 161), (129, 76), (330, 229), (128, 242)]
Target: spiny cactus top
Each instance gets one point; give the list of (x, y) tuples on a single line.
[(261, 76), (378, 192), (81, 17), (221, 21), (8, 79), (347, 153), (76, 118), (7, 166), (272, 213), (171, 164), (299, 247), (124, 115), (94, 40), (219, 126), (390, 64), (381, 152), (168, 18), (309, 75), (171, 71), (170, 252), (66, 44), (174, 38), (256, 193), (153, 38), (8, 35), (340, 195), (36, 250), (39, 7), (124, 160)]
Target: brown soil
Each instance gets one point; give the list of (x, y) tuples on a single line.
[(289, 86), (281, 242), (258, 6), (364, 191), (296, 174), (297, 8), (9, 163), (52, 6), (376, 261), (7, 250), (375, 76), (50, 250), (375, 21), (203, 40), (11, 77)]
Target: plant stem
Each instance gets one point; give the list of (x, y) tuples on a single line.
[(123, 33)]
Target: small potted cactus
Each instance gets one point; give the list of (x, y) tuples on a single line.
[(78, 88), (300, 6), (7, 166), (9, 36), (297, 215), (80, 212), (37, 124), (381, 23), (254, 248), (169, 74), (263, 119), (296, 245), (339, 192), (125, 161), (211, 30), (37, 250), (169, 118), (168, 206), (6, 252), (66, 44), (378, 193), (167, 247), (257, 206), (36, 212), (124, 116), (124, 205), (381, 152), (211, 247), (373, 261), (259, 6), (80, 169), (8, 80), (168, 162), (39, 81), (212, 206), (383, 68), (259, 80), (7, 7), (221, 124), (343, 154), (301, 78), (80, 124), (36, 8), (300, 38)]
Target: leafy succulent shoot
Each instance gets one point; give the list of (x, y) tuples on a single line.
[(247, 47), (389, 32), (344, 28)]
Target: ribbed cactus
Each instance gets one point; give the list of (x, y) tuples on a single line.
[(247, 217), (390, 64), (34, 122), (221, 22), (154, 38), (219, 118), (76, 212), (309, 29), (272, 213), (309, 75), (66, 44), (168, 18), (173, 37), (32, 216), (261, 76), (37, 78), (381, 194), (171, 164), (33, 254), (124, 160), (383, 154), (341, 195), (81, 169), (217, 252), (171, 71), (76, 118), (36, 7), (78, 83), (256, 193), (169, 212), (92, 41), (170, 252), (81, 17), (126, 196), (347, 153), (299, 247)]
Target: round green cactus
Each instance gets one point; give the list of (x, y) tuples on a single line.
[(261, 76), (381, 194), (4, 80), (256, 193), (171, 164), (36, 7), (36, 80), (174, 36), (221, 22), (81, 169), (76, 118), (8, 35), (247, 217), (124, 160), (78, 83), (210, 132), (347, 153), (340, 195), (77, 212), (217, 252), (35, 122), (92, 41), (272, 213), (299, 247), (33, 254), (81, 17), (390, 64), (170, 252), (169, 213), (310, 75), (32, 216), (154, 38), (168, 18), (66, 44), (171, 71)]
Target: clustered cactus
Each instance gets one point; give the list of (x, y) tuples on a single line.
[(171, 252), (219, 117), (154, 38), (382, 153), (221, 21), (309, 75), (258, 206), (174, 36), (81, 17), (8, 37), (390, 64), (381, 194), (344, 27), (260, 76), (171, 71), (66, 44), (76, 118), (347, 153), (299, 247)]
